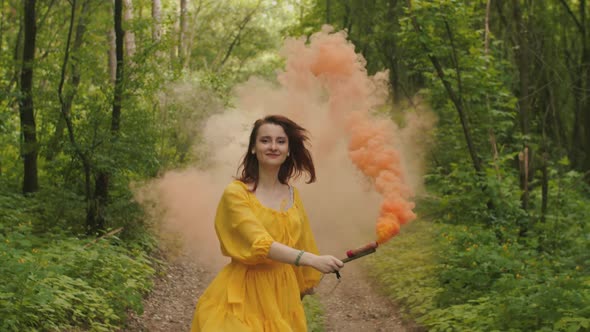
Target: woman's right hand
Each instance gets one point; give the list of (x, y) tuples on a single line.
[(326, 263)]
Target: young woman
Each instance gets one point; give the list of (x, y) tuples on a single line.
[(262, 226)]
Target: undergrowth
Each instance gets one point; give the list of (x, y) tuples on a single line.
[(314, 313), (56, 281)]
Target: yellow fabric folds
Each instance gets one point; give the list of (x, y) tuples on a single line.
[(254, 293)]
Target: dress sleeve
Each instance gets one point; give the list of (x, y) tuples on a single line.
[(241, 235), (307, 277)]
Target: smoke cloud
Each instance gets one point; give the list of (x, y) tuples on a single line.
[(368, 168)]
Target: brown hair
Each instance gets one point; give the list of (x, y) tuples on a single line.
[(298, 162)]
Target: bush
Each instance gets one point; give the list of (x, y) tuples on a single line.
[(507, 286), (53, 282), (406, 266), (467, 278)]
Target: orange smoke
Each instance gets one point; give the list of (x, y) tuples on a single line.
[(325, 88), (371, 151), (352, 95)]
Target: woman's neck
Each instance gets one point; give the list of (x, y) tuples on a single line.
[(268, 178)]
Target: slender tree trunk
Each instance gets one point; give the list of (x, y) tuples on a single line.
[(112, 55), (241, 27), (393, 56), (157, 20), (347, 17), (129, 35), (182, 33), (328, 12), (487, 27), (96, 219), (118, 96), (65, 102), (544, 187), (522, 60), (585, 64), (16, 55), (54, 144), (577, 72), (27, 116), (456, 99), (1, 26), (13, 76)]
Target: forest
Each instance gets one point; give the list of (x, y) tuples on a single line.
[(99, 96)]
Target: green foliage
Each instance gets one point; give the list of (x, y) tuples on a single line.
[(452, 32), (488, 277), (406, 268), (54, 281), (313, 313), (460, 278), (508, 285), (464, 198)]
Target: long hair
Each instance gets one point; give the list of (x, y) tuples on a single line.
[(297, 163)]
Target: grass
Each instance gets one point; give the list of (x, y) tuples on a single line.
[(405, 269), (314, 314)]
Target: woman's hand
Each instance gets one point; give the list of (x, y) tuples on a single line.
[(326, 263)]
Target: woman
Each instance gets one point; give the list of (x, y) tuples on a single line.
[(262, 226)]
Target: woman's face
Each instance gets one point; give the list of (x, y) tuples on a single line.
[(272, 145)]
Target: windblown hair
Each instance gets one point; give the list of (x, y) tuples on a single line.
[(297, 163)]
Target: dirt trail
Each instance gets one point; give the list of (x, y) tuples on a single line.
[(351, 306), (354, 304)]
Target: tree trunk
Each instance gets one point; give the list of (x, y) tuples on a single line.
[(522, 61), (157, 20), (118, 95), (96, 217), (585, 64), (182, 33), (393, 57), (580, 74), (241, 27), (26, 108), (112, 55), (457, 100), (1, 27), (544, 187), (486, 42), (54, 144), (66, 103), (129, 35)]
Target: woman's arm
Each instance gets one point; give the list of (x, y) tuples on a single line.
[(285, 254)]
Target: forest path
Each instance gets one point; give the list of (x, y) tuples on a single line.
[(352, 305)]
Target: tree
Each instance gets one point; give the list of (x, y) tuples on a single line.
[(182, 39), (26, 106), (96, 220), (129, 36), (157, 20)]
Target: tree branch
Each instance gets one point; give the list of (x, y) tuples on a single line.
[(572, 15), (452, 95), (241, 28)]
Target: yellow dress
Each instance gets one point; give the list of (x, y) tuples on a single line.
[(253, 293)]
